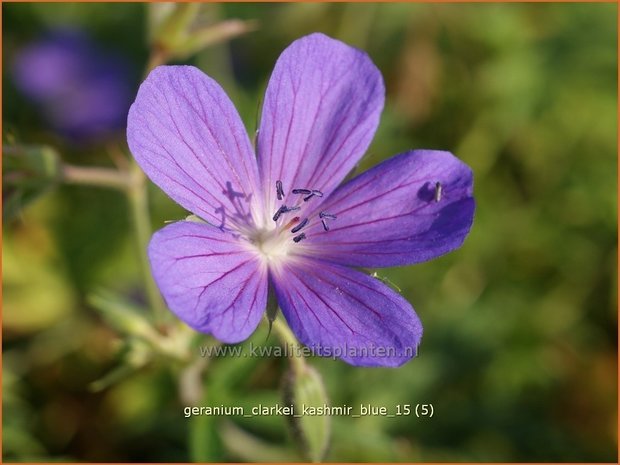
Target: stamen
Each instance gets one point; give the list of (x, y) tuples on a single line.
[(302, 191), (438, 191), (300, 225), (312, 193), (284, 209), (281, 210), (279, 190), (301, 237), (324, 216)]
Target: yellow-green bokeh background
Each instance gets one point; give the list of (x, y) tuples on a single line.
[(519, 353)]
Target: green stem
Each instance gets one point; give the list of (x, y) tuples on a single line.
[(133, 183), (158, 57), (102, 177), (138, 200), (137, 195), (288, 338)]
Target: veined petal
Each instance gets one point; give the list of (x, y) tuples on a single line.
[(188, 138), (321, 110), (340, 312), (408, 209), (209, 280)]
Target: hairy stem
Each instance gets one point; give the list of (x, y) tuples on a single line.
[(138, 200), (287, 337), (133, 183), (102, 177)]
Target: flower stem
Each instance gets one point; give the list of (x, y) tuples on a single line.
[(137, 195), (133, 182), (102, 177), (138, 200), (298, 363), (158, 57)]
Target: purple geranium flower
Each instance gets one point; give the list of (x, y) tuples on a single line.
[(84, 92), (279, 220)]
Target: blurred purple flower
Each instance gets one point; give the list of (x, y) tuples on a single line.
[(280, 220), (84, 92)]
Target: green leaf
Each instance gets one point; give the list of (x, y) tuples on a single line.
[(211, 35), (27, 173), (179, 32), (123, 316)]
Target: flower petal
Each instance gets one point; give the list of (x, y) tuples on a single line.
[(209, 280), (321, 110), (394, 213), (188, 138), (340, 312)]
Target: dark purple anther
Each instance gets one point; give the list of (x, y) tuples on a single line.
[(281, 210), (284, 209), (312, 193), (279, 190), (301, 237), (438, 191), (325, 215), (300, 225), (302, 191)]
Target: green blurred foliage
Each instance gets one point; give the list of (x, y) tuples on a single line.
[(519, 353)]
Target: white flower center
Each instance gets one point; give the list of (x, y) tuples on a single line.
[(272, 245), (279, 233)]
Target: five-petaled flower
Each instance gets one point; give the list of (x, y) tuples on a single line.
[(278, 221)]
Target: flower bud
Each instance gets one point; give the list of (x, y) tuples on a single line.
[(303, 388), (170, 23)]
